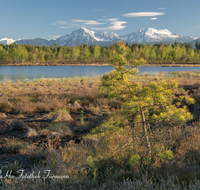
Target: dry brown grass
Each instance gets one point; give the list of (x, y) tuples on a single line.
[(46, 94), (102, 159), (5, 105)]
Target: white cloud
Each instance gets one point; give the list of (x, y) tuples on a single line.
[(141, 14), (77, 23), (154, 18), (66, 26), (161, 8), (197, 26), (114, 24), (88, 22), (108, 24)]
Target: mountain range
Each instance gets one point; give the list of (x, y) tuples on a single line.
[(89, 37)]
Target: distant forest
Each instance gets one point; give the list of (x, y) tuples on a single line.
[(159, 53)]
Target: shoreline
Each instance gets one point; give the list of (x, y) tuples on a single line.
[(102, 64)]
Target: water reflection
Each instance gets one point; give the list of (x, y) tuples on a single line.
[(21, 73)]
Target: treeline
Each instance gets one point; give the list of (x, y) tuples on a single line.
[(176, 52)]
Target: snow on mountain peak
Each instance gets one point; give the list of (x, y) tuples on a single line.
[(107, 36), (85, 29), (7, 41)]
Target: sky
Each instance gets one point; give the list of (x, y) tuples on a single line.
[(50, 19)]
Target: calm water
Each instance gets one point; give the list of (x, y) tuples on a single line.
[(22, 73)]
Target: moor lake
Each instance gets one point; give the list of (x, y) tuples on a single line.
[(22, 73)]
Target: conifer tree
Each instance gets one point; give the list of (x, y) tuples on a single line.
[(197, 45), (152, 103)]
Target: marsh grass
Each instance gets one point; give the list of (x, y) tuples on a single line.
[(112, 154)]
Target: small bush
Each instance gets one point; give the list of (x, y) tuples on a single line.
[(17, 125)]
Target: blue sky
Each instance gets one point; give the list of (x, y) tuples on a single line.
[(49, 19)]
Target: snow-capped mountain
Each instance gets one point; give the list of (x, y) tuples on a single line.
[(62, 40), (146, 35), (151, 35), (7, 41), (77, 37), (85, 36), (107, 36)]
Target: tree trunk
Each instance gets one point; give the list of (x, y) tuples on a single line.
[(146, 133), (132, 127)]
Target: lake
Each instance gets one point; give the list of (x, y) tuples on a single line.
[(22, 73)]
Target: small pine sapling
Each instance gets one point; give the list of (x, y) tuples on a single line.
[(153, 102)]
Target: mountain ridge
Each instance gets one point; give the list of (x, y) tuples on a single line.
[(104, 38)]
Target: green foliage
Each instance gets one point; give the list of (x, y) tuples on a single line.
[(156, 98), (75, 52), (47, 57), (158, 52), (162, 153), (96, 52), (153, 102), (134, 159), (197, 45), (31, 58)]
